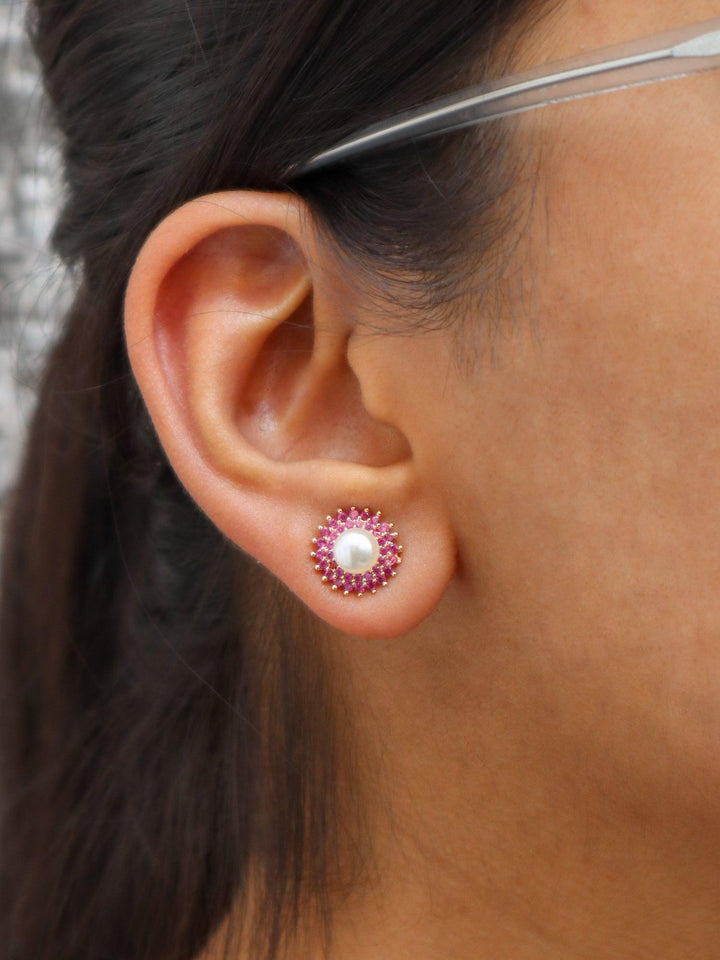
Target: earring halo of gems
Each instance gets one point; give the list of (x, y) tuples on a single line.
[(356, 551)]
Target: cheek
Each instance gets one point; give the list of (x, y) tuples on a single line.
[(616, 408), (583, 466), (583, 469)]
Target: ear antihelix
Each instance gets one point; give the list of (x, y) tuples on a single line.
[(356, 551)]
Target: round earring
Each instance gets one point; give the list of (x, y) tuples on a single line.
[(356, 551)]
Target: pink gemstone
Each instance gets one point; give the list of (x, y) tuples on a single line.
[(388, 554)]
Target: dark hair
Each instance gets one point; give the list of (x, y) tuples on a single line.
[(170, 720)]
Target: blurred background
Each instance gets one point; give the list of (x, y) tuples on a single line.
[(33, 285)]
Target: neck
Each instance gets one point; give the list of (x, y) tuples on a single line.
[(520, 807), (509, 823)]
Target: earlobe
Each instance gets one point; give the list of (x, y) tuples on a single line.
[(240, 348)]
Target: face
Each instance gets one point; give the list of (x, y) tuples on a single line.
[(581, 468), (561, 658)]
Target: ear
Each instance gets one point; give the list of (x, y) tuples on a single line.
[(236, 336)]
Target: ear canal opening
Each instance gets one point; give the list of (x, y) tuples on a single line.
[(299, 406)]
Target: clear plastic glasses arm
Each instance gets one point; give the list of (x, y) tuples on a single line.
[(675, 53)]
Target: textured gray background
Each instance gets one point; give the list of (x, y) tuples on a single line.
[(33, 285)]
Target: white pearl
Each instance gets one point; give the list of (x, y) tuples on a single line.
[(356, 550)]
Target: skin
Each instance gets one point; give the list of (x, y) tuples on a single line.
[(538, 691)]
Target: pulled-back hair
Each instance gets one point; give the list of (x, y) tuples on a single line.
[(169, 718)]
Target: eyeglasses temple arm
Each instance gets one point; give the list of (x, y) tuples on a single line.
[(661, 57)]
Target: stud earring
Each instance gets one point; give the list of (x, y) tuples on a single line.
[(356, 551)]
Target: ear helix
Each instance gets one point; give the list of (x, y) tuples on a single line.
[(356, 551)]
